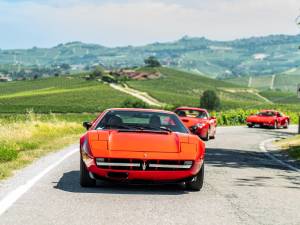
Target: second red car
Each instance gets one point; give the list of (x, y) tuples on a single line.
[(268, 118), (198, 121)]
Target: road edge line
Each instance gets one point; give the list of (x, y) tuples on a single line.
[(263, 148), (14, 195)]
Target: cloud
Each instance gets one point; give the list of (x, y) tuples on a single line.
[(121, 22)]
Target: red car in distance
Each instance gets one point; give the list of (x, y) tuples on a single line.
[(268, 118), (198, 121)]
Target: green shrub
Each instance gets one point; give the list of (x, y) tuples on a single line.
[(7, 153), (128, 103), (238, 116)]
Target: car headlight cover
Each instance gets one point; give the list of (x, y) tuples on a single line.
[(200, 125)]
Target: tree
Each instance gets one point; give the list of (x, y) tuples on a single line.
[(97, 72), (129, 103), (152, 62), (210, 100), (65, 66), (298, 23)]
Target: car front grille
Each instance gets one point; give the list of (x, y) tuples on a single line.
[(143, 165)]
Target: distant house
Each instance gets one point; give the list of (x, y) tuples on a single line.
[(5, 78), (21, 78)]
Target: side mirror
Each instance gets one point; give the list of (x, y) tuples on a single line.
[(213, 118), (193, 129), (87, 125)]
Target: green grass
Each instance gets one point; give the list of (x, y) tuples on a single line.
[(285, 82), (281, 97), (291, 145), (24, 138), (183, 88), (235, 117), (60, 94)]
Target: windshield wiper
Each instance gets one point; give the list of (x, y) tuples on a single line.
[(158, 128), (166, 129), (119, 127)]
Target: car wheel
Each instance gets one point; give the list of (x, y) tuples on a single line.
[(286, 125), (250, 125), (85, 179), (275, 125), (196, 183), (207, 135), (213, 136)]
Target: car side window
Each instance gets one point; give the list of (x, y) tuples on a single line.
[(202, 115)]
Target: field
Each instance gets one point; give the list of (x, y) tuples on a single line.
[(286, 82), (281, 97), (182, 88), (26, 137), (71, 94)]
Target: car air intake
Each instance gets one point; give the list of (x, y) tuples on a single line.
[(117, 175), (143, 165)]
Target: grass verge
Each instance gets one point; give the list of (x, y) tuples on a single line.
[(28, 138), (292, 146)]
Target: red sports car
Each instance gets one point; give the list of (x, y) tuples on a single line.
[(140, 145), (268, 118), (198, 121)]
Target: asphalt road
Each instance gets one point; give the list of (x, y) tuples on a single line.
[(242, 186)]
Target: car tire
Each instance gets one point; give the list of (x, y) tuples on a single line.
[(196, 183), (85, 179), (250, 125), (275, 125), (213, 136), (206, 138), (286, 125)]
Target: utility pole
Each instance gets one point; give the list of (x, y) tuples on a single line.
[(298, 87), (298, 94)]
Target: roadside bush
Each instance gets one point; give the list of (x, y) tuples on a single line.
[(238, 116), (7, 153), (128, 103)]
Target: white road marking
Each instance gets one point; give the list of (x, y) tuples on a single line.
[(13, 196), (262, 147)]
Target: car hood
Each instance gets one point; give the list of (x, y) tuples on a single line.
[(139, 141)]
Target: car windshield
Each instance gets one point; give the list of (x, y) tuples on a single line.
[(141, 120), (191, 113), (268, 113)]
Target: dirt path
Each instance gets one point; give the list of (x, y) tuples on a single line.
[(264, 98), (144, 96)]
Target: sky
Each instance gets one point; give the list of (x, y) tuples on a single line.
[(46, 23)]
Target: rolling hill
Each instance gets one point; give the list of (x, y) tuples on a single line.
[(183, 88), (58, 94), (286, 82), (74, 94), (255, 56)]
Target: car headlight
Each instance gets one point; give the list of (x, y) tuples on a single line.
[(200, 125), (86, 148)]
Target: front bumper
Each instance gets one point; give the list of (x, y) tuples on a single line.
[(141, 175)]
